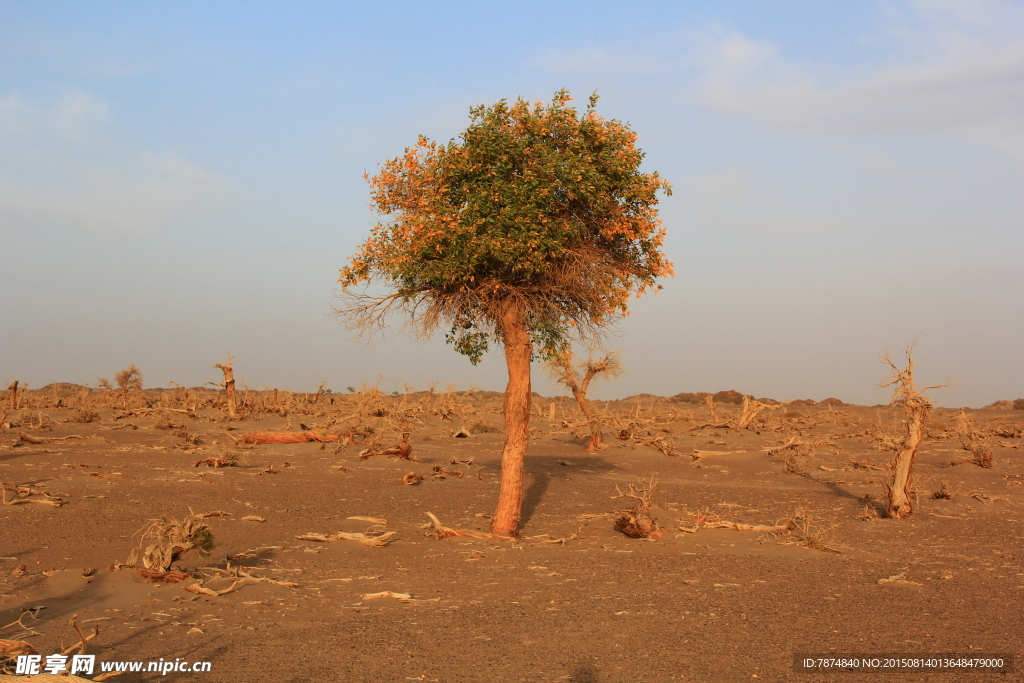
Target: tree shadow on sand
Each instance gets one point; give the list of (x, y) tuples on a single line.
[(533, 495), (584, 673), (542, 469)]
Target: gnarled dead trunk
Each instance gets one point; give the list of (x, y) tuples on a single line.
[(518, 350), (906, 395), (751, 409), (901, 489), (596, 437), (229, 388), (229, 385), (710, 400), (562, 369)]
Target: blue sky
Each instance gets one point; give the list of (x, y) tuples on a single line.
[(179, 180)]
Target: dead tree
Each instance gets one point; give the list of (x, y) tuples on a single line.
[(128, 381), (751, 408), (12, 395), (578, 379), (710, 400), (907, 396), (228, 384), (637, 522), (974, 440), (403, 449)]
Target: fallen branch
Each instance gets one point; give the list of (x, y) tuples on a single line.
[(898, 580), (55, 502), (15, 648), (441, 531), (82, 638), (441, 473), (200, 589), (403, 449), (276, 582), (374, 541), (659, 442), (548, 538), (371, 449), (740, 526), (173, 576), (387, 594), (793, 441), (285, 437), (24, 611)]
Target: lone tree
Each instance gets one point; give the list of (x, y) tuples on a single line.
[(533, 228)]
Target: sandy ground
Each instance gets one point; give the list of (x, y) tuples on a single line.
[(573, 600)]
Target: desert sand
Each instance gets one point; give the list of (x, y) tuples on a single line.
[(771, 540)]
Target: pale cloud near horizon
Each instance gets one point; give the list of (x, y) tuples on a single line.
[(63, 169), (68, 115), (960, 71)]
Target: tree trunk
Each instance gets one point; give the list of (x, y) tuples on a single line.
[(710, 400), (900, 490), (596, 438), (518, 350), (12, 395), (229, 386), (229, 389), (751, 409)]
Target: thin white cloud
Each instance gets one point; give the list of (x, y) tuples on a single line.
[(173, 165), (79, 106), (73, 113), (121, 70), (593, 60), (61, 170), (961, 71)]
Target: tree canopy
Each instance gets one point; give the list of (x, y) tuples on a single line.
[(540, 207)]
